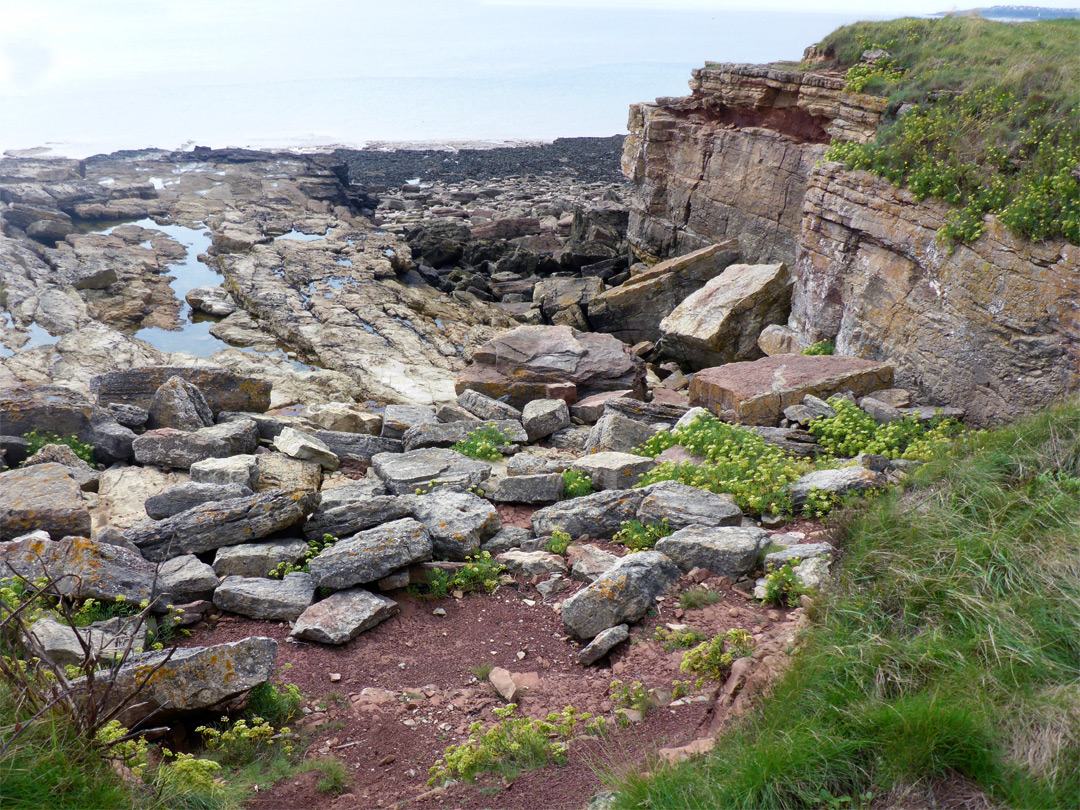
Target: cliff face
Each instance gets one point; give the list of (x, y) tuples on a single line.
[(731, 160), (993, 327)]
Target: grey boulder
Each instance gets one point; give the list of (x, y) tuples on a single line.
[(343, 616), (622, 594), (458, 522), (542, 417), (598, 515), (836, 482), (181, 497), (730, 551), (613, 470), (258, 559), (371, 555), (179, 404), (604, 643), (187, 579), (404, 473), (299, 445), (681, 505), (267, 599), (526, 489), (181, 449)]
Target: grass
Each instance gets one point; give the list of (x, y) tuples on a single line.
[(995, 127), (949, 646), (698, 597)]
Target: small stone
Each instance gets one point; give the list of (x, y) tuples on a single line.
[(295, 444), (503, 683), (604, 643), (335, 677), (438, 612)]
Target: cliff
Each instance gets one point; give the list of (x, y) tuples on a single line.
[(993, 326)]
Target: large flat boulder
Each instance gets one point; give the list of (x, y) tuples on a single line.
[(223, 523), (633, 310), (612, 470), (756, 393), (224, 390), (355, 515), (180, 449), (343, 616), (681, 505), (720, 322), (46, 409), (42, 496), (458, 522), (404, 473), (598, 515), (521, 363), (371, 555), (621, 594), (181, 497), (356, 446), (267, 599), (728, 551)]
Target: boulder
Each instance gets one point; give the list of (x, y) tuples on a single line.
[(343, 418), (597, 515), (267, 599), (42, 496), (756, 393), (224, 390), (545, 488), (542, 417), (618, 433), (531, 563), (371, 555), (633, 310), (187, 579), (343, 616), (130, 416), (222, 523), (720, 322), (399, 418), (299, 445), (341, 519), (180, 449), (591, 408), (258, 559), (728, 551), (179, 404), (604, 643), (188, 679), (232, 470), (457, 522), (527, 464), (484, 407), (522, 362), (799, 552), (106, 640), (356, 446), (836, 482), (505, 539), (778, 339), (651, 413), (681, 505), (622, 594), (587, 562), (112, 441), (85, 476), (181, 497), (404, 473), (609, 470), (553, 295), (46, 409), (214, 301), (278, 471)]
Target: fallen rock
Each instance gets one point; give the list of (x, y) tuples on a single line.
[(277, 600), (187, 579), (618, 433), (798, 553), (622, 594), (399, 418), (222, 523), (530, 489), (343, 418), (590, 409), (505, 539), (728, 551), (503, 683), (598, 515), (180, 449), (181, 497), (778, 339), (258, 559), (484, 407), (371, 555), (404, 473), (604, 643), (232, 470), (531, 563), (720, 322), (224, 390), (357, 446), (46, 409), (681, 505), (299, 445), (836, 482), (105, 640), (446, 434), (278, 471), (528, 464), (85, 476), (542, 417), (341, 519), (587, 562), (609, 470), (343, 616), (180, 405), (756, 393), (457, 522), (43, 496), (214, 301), (521, 363)]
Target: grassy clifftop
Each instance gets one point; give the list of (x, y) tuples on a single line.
[(985, 116)]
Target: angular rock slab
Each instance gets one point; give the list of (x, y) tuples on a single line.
[(621, 595), (611, 470), (258, 559), (404, 473), (484, 407), (526, 489), (106, 640), (278, 471), (371, 555), (299, 445), (181, 497), (224, 390), (446, 434), (756, 393), (399, 418), (720, 322), (267, 599), (222, 523), (85, 476), (343, 616), (356, 446), (836, 482), (799, 552), (728, 551), (93, 570), (351, 517), (192, 679), (45, 408), (542, 417), (587, 562), (521, 363), (598, 515), (618, 433), (458, 522), (681, 505), (604, 643), (180, 405), (43, 496), (187, 579), (231, 470), (532, 563), (181, 449)]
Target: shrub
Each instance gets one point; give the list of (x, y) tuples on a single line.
[(819, 503), (483, 443), (314, 548), (241, 742), (39, 440), (638, 536), (559, 542), (630, 696), (678, 639), (278, 706), (576, 484), (782, 586), (820, 348), (713, 659), (852, 431), (479, 573)]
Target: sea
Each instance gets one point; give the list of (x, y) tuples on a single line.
[(79, 78)]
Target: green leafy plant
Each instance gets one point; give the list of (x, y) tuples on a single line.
[(483, 443), (314, 548), (576, 483), (713, 659), (678, 639), (243, 741), (334, 776), (278, 705), (852, 431), (698, 597), (638, 536), (479, 573), (559, 542), (513, 744), (782, 586), (38, 440), (481, 671), (737, 461), (632, 695), (819, 503), (822, 347)]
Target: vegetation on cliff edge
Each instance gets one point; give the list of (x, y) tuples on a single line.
[(947, 655), (995, 122)]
